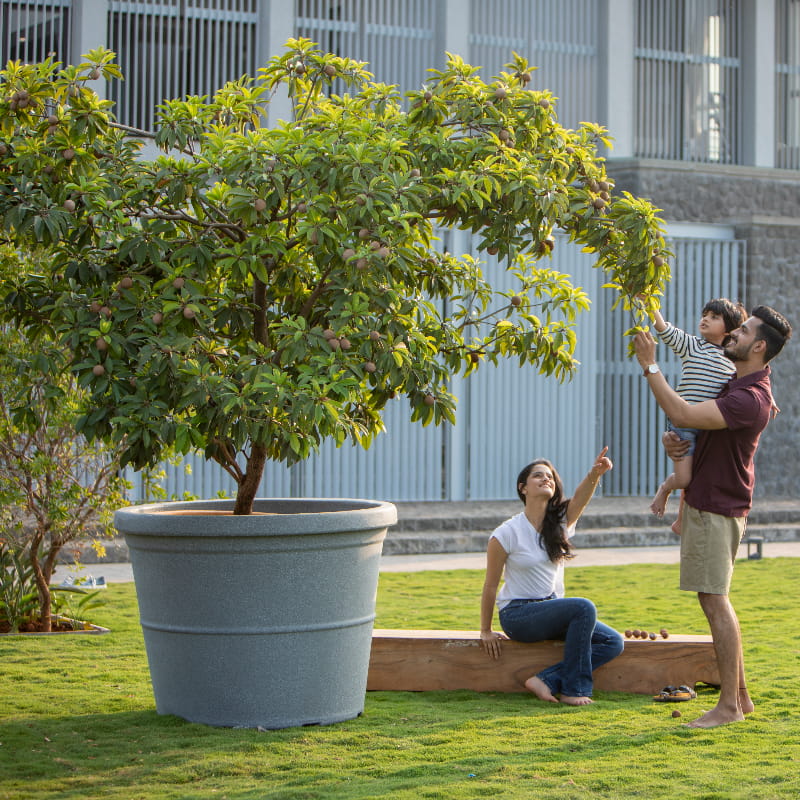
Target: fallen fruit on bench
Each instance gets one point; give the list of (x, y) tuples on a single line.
[(636, 633), (664, 633), (628, 633), (652, 636)]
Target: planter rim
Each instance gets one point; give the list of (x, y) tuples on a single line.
[(274, 516)]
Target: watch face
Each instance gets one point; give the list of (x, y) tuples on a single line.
[(653, 369)]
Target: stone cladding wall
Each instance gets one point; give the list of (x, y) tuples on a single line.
[(763, 206)]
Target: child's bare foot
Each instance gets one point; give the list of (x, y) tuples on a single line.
[(576, 701), (745, 703), (659, 504), (676, 527), (540, 689)]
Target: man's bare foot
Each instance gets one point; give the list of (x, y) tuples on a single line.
[(540, 689), (676, 527), (716, 717), (659, 504), (576, 701), (745, 703)]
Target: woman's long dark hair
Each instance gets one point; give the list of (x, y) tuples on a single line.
[(553, 534)]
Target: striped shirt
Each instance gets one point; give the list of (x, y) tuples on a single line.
[(705, 367)]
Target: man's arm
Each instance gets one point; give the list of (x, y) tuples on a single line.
[(705, 415)]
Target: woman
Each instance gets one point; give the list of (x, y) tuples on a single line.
[(532, 547)]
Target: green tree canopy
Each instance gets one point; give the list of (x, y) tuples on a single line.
[(254, 291)]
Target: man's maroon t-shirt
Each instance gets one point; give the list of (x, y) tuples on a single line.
[(722, 471)]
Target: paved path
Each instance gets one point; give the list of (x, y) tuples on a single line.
[(594, 556)]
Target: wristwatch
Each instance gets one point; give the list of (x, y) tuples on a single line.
[(651, 369)]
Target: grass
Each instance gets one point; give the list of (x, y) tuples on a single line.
[(78, 717)]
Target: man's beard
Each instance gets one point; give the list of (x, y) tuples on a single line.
[(735, 354)]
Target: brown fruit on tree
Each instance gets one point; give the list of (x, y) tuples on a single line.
[(328, 334), (189, 313), (364, 233), (370, 367), (344, 343), (348, 253), (362, 263), (516, 301), (101, 344), (500, 93), (126, 283), (374, 335), (98, 370), (259, 204), (179, 283), (157, 318), (68, 154), (429, 400), (69, 205), (329, 70)]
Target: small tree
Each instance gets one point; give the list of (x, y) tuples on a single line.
[(255, 291), (55, 487)]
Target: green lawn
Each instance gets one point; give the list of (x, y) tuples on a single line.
[(78, 718)]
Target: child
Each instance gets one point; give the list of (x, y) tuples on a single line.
[(705, 371)]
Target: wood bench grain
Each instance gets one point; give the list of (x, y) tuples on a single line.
[(419, 661)]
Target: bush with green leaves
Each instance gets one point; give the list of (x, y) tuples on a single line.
[(255, 291), (55, 486)]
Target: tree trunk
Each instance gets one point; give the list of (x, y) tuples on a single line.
[(43, 587), (248, 486)]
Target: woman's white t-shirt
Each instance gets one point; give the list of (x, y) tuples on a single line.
[(529, 574)]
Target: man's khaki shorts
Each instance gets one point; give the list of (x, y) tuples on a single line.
[(709, 544)]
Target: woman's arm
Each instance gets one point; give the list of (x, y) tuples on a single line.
[(495, 561), (583, 494)]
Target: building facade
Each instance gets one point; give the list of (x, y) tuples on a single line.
[(702, 98)]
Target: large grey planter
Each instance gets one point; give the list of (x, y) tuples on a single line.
[(262, 620)]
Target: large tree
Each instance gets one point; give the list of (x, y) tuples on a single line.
[(257, 290)]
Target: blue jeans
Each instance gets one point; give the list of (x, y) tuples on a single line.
[(588, 644)]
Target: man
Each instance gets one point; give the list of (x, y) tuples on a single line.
[(720, 492)]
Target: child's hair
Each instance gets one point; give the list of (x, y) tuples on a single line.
[(733, 314)]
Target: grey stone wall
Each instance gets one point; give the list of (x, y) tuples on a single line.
[(763, 206)]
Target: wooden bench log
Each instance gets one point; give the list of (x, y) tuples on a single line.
[(421, 661)]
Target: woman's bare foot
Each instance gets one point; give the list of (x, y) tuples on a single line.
[(576, 701), (538, 687), (659, 504)]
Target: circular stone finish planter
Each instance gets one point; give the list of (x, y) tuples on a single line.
[(262, 620)]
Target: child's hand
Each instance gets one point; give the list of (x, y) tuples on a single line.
[(775, 410)]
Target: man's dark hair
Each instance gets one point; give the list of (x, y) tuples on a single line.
[(774, 329)]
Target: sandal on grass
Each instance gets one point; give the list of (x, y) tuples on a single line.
[(675, 694)]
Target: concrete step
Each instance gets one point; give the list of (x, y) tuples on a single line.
[(445, 527)]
